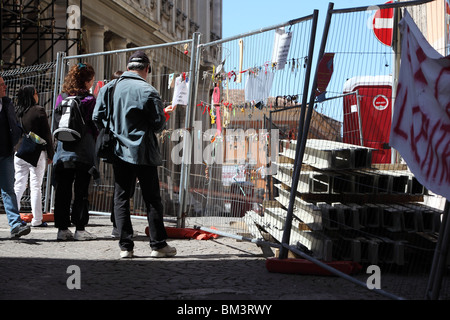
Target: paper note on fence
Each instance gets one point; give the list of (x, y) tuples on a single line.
[(181, 92), (281, 47), (258, 86), (171, 82)]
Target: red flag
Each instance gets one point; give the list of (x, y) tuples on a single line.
[(325, 72)]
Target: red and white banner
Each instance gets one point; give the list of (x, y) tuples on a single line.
[(421, 122)]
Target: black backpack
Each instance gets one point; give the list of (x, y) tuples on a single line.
[(70, 125)]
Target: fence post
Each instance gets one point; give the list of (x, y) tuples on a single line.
[(440, 257), (187, 147), (58, 79), (397, 48), (269, 183), (303, 127)]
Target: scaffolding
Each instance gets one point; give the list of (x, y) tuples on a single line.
[(30, 31)]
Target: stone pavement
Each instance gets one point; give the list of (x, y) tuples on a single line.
[(36, 267)]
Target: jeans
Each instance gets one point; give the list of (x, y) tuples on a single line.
[(36, 174), (8, 194), (68, 175), (125, 176)]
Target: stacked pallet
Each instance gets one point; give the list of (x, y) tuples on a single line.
[(348, 209)]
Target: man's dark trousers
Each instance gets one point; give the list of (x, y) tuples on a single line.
[(125, 177)]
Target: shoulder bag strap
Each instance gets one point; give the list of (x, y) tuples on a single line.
[(111, 105), (21, 120)]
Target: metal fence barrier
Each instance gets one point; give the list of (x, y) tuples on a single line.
[(235, 145), (270, 150), (167, 60), (42, 77), (352, 198)]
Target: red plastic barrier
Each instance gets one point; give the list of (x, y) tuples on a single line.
[(46, 217), (187, 233), (306, 267)]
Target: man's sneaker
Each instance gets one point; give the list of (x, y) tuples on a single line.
[(165, 252), (21, 230), (83, 235), (64, 235), (126, 254)]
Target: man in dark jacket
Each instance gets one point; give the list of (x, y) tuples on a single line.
[(137, 115), (10, 132)]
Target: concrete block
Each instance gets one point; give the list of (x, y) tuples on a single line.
[(392, 252), (347, 249), (325, 154), (332, 218), (400, 183), (307, 213), (369, 250), (383, 183), (350, 216), (410, 218), (362, 158), (360, 211), (428, 218), (365, 183), (371, 216), (343, 183), (415, 187), (392, 218), (320, 244), (320, 183)]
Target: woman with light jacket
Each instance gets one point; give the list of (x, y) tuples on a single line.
[(33, 119)]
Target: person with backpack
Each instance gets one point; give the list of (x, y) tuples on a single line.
[(137, 115), (74, 160), (33, 119), (10, 132)]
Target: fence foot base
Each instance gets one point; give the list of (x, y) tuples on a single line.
[(46, 217), (186, 233), (305, 267)]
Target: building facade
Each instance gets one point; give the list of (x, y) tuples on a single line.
[(34, 31)]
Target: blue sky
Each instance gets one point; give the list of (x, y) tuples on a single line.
[(240, 16)]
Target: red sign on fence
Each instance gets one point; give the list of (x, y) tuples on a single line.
[(383, 25)]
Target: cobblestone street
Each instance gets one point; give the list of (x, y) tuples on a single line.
[(36, 267)]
